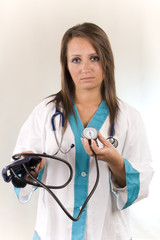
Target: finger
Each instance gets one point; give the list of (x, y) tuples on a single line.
[(103, 140), (100, 152), (86, 146), (41, 164), (95, 148)]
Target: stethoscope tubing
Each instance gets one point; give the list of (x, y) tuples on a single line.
[(18, 155), (59, 143), (47, 188)]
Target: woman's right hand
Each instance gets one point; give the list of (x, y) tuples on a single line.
[(38, 168)]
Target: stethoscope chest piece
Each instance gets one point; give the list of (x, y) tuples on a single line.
[(113, 141)]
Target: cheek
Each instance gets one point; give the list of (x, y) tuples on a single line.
[(99, 71), (73, 72)]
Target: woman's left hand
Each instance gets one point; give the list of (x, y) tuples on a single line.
[(110, 155)]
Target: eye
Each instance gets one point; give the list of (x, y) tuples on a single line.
[(76, 60), (94, 58)]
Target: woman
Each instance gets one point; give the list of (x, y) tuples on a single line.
[(87, 98)]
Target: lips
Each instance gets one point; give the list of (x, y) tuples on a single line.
[(87, 78)]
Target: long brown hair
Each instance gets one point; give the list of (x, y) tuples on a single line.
[(101, 43)]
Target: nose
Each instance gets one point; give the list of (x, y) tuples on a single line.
[(85, 67)]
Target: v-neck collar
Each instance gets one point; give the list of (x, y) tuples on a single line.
[(97, 119)]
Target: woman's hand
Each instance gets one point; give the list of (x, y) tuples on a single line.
[(108, 154), (40, 165), (38, 168)]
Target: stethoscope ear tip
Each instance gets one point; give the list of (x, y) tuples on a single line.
[(72, 145)]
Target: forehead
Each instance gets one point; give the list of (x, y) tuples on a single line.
[(79, 45)]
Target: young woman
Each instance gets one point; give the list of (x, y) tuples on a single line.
[(87, 98)]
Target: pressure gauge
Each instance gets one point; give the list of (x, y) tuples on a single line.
[(90, 133)]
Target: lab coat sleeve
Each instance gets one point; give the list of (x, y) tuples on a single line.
[(30, 139), (137, 159)]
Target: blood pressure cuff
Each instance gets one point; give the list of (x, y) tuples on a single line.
[(16, 168)]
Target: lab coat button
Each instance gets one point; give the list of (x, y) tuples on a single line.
[(83, 174)]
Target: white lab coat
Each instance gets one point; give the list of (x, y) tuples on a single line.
[(107, 213)]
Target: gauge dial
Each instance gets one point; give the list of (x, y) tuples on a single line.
[(90, 133)]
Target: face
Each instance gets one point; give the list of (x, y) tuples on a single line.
[(84, 65)]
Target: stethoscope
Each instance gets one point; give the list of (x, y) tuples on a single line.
[(88, 132), (59, 144), (24, 163)]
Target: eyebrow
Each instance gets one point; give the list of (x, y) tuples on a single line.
[(78, 55)]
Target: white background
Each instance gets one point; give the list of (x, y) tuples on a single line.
[(30, 36)]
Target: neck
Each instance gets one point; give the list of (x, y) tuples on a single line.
[(88, 98)]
